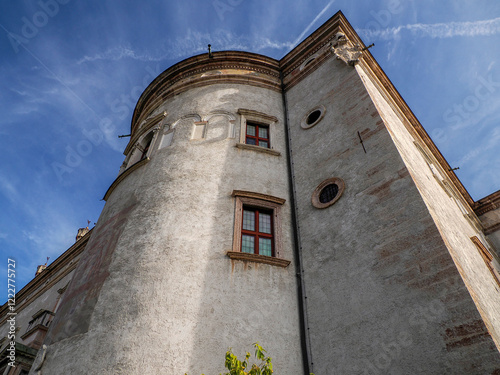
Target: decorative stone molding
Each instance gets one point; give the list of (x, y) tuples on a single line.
[(234, 67), (264, 197), (257, 200), (237, 255), (344, 50), (491, 229), (487, 203), (306, 122), (155, 121), (315, 198), (227, 114), (193, 116), (257, 116), (269, 151)]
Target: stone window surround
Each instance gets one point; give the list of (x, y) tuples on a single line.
[(247, 198), (305, 125), (136, 154), (316, 193), (259, 118)]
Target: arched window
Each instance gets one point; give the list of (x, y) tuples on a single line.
[(146, 143)]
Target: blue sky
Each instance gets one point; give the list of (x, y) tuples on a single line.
[(71, 72)]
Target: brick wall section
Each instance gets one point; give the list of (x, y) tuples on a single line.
[(383, 293)]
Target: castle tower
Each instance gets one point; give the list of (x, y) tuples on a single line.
[(162, 286), (298, 203)]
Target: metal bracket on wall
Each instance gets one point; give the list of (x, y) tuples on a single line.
[(361, 141)]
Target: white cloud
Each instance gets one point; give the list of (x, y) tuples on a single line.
[(299, 38), (437, 30), (192, 43), (493, 143), (9, 190), (118, 53)]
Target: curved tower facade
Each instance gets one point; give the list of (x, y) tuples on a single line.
[(163, 276), (298, 203)]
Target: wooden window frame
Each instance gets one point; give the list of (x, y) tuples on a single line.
[(267, 203), (256, 233), (257, 137)]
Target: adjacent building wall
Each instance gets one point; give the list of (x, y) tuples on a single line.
[(44, 292), (454, 218), (383, 293)]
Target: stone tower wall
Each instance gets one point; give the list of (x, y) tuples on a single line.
[(161, 294)]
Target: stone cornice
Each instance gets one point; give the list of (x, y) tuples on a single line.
[(487, 203), (387, 89), (122, 176), (265, 72), (201, 70), (316, 43), (264, 116), (264, 197)]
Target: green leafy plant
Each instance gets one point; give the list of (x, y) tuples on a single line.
[(237, 367)]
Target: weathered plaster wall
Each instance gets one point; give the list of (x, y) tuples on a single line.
[(171, 300), (383, 294)]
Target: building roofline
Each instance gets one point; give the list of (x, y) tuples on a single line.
[(174, 79), (158, 89), (40, 282), (488, 203)]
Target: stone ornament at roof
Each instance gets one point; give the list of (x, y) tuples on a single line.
[(344, 50)]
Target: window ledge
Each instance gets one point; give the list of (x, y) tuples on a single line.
[(37, 328), (124, 174), (279, 262), (258, 148)]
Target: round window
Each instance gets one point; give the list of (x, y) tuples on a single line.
[(328, 192), (313, 117)]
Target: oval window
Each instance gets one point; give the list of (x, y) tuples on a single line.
[(313, 117), (328, 192)]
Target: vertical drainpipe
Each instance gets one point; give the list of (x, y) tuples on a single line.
[(299, 271)]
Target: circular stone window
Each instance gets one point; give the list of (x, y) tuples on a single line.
[(328, 192), (313, 117)]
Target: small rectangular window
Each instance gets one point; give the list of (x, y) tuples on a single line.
[(256, 231), (257, 134)]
